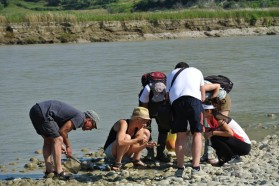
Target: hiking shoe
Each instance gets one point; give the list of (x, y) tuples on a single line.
[(198, 174), (180, 172), (150, 155), (204, 159), (62, 176), (163, 158), (148, 158), (235, 160)]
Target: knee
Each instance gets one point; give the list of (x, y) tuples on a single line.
[(127, 137), (58, 139), (146, 134)]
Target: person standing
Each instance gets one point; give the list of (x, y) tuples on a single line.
[(53, 120), (152, 97), (186, 95)]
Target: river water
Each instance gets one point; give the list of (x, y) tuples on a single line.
[(106, 77)]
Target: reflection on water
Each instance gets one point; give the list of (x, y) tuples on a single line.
[(105, 77)]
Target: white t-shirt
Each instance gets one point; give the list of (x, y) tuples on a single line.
[(238, 132), (144, 97), (187, 83)]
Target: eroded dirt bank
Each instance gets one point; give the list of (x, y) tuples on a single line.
[(108, 31)]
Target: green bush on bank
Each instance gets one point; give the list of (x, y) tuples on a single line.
[(85, 16)]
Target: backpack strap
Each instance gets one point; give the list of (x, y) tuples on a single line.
[(175, 76)]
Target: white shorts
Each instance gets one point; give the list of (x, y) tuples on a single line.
[(108, 152), (110, 156)]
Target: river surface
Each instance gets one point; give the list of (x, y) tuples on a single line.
[(105, 77)]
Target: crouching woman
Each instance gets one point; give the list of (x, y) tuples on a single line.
[(127, 138), (227, 137)]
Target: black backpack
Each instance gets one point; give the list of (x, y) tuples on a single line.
[(224, 81)]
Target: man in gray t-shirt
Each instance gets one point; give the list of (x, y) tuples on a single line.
[(53, 120)]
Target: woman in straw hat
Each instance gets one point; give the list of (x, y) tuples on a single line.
[(127, 139), (227, 137)]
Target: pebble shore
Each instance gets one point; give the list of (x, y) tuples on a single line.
[(260, 167)]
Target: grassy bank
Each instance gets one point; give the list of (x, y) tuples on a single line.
[(20, 15)]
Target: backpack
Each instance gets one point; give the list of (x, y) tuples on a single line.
[(224, 81), (156, 81), (152, 77)]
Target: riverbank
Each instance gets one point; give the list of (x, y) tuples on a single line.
[(260, 167), (109, 31)]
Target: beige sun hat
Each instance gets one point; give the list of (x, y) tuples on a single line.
[(140, 112)]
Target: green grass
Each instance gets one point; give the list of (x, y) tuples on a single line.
[(26, 12)]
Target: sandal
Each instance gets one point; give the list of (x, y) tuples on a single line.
[(62, 176), (116, 166), (138, 164), (49, 174)]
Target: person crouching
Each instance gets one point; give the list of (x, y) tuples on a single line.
[(127, 139), (227, 137)]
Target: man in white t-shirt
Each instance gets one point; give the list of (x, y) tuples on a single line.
[(186, 95)]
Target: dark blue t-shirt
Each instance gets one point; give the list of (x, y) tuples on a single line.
[(61, 113)]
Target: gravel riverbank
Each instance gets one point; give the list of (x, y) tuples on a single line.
[(260, 167)]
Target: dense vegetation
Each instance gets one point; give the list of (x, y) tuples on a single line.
[(136, 5), (96, 10)]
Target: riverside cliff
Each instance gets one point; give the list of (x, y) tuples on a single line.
[(108, 31)]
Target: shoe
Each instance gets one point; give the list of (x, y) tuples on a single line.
[(180, 172), (138, 164), (49, 175), (235, 160), (62, 176), (116, 166), (150, 155), (164, 158), (204, 159), (198, 174)]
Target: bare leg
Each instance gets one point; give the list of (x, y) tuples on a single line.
[(196, 149), (180, 148), (57, 145), (118, 151), (47, 149), (137, 148)]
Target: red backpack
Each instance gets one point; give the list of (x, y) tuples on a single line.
[(152, 77)]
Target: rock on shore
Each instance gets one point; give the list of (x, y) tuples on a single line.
[(106, 31), (260, 167)]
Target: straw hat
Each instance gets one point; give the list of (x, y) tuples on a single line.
[(140, 112)]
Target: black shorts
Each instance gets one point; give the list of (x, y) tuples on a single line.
[(44, 126), (187, 109)]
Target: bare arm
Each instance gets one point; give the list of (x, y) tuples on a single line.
[(224, 130), (215, 87), (121, 127), (202, 93), (66, 128)]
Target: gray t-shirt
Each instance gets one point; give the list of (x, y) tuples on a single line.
[(61, 113)]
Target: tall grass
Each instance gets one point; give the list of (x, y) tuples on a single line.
[(85, 16)]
